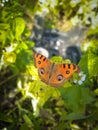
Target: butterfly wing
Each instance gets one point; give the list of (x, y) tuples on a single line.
[(67, 70), (62, 72), (43, 65)]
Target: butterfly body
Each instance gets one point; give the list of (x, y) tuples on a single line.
[(51, 73)]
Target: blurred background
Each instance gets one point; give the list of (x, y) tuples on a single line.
[(54, 28)]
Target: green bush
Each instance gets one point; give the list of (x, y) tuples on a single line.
[(28, 103)]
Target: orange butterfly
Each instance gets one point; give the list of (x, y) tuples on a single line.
[(51, 73)]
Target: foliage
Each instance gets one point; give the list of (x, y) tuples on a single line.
[(26, 102)]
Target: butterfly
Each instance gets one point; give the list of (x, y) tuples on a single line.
[(53, 74)]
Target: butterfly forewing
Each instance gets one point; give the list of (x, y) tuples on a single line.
[(67, 70), (40, 60)]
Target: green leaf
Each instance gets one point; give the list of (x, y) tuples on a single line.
[(92, 64), (4, 26), (75, 116), (58, 59), (84, 64), (6, 118), (72, 98), (9, 57), (24, 127), (18, 27), (3, 35), (28, 121), (4, 32), (76, 98), (86, 96), (93, 31)]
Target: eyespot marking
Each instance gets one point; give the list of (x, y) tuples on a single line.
[(39, 62), (59, 77), (67, 72), (42, 71)]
